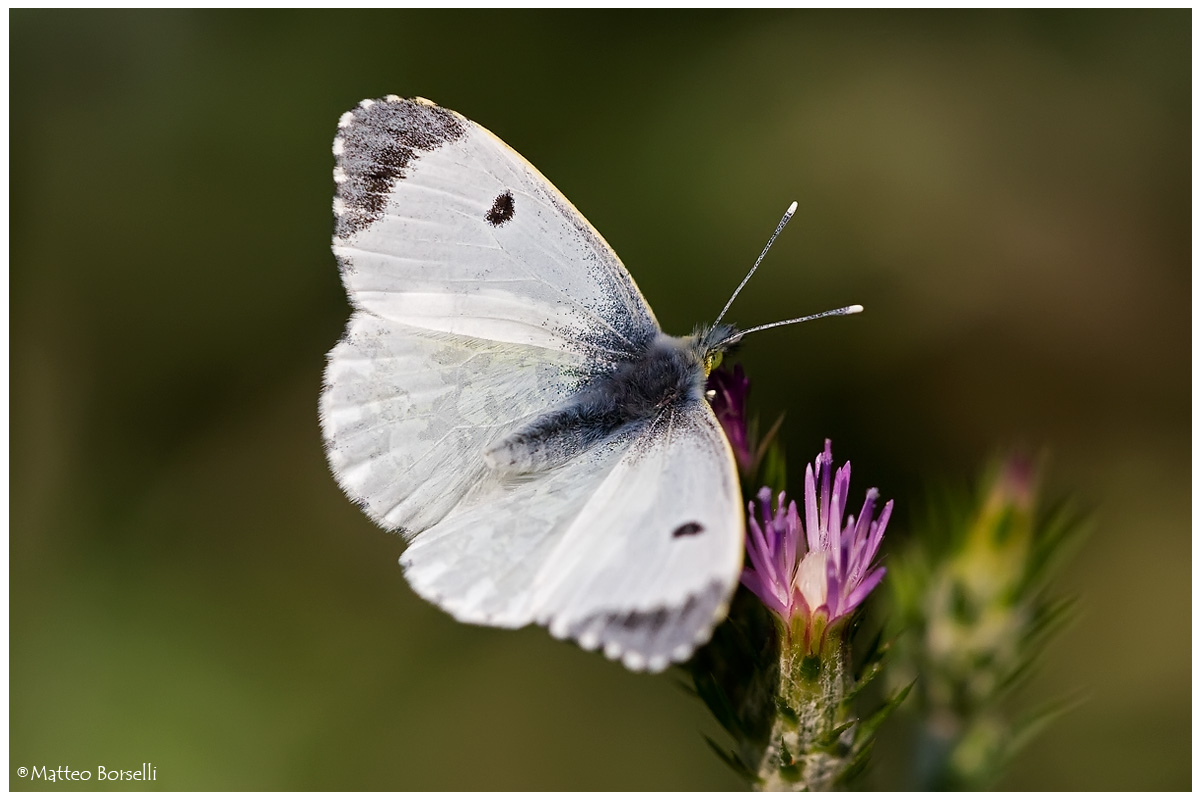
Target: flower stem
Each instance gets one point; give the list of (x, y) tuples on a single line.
[(802, 753)]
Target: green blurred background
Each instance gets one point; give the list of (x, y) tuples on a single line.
[(1007, 193)]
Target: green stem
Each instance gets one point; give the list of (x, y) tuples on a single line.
[(802, 752)]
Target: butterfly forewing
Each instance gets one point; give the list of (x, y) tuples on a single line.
[(469, 239)]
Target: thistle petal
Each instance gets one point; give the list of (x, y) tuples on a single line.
[(789, 522), (812, 521), (877, 529), (824, 465), (863, 589), (759, 551)]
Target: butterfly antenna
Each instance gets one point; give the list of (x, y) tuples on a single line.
[(786, 217), (837, 312)]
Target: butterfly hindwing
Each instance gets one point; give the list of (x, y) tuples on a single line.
[(635, 549), (407, 413), (649, 564)]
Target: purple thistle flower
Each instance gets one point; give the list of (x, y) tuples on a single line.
[(820, 570), (729, 404)]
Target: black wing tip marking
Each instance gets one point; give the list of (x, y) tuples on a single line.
[(375, 144)]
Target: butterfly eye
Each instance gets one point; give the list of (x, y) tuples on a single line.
[(712, 361)]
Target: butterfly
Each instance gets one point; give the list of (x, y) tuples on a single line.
[(504, 396)]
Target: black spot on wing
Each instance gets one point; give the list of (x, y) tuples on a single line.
[(502, 210), (689, 529), (376, 143)]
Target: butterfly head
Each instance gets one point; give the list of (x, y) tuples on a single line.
[(711, 342)]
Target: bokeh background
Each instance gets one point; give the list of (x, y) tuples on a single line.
[(1007, 193)]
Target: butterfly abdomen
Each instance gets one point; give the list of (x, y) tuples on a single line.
[(668, 374)]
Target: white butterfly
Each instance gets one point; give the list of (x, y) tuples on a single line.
[(503, 395)]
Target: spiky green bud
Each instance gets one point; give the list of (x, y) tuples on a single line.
[(970, 592)]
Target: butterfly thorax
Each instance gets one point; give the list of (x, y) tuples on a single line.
[(640, 390)]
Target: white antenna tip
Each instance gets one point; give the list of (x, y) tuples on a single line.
[(792, 208), (856, 309)]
